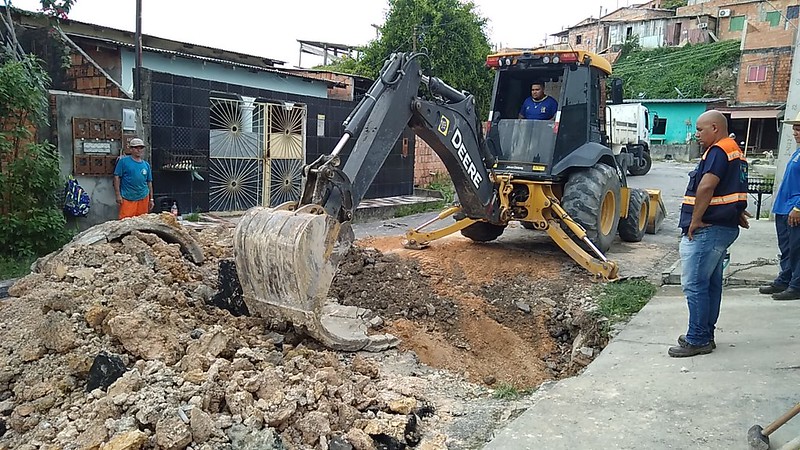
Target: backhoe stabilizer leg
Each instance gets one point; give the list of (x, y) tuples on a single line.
[(607, 269), (416, 239)]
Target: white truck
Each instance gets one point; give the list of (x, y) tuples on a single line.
[(628, 130)]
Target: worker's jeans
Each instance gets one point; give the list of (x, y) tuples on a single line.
[(789, 245), (701, 278)]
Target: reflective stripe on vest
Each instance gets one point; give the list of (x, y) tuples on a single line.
[(732, 150), (722, 200)]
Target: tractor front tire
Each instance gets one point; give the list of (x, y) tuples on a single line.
[(632, 228), (592, 198), (638, 169), (483, 231)]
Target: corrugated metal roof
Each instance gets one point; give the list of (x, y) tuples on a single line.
[(203, 58), (85, 30)]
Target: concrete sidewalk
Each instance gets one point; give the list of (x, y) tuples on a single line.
[(634, 396)]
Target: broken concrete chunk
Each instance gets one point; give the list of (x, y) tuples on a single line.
[(163, 225), (403, 405), (130, 440), (173, 434)]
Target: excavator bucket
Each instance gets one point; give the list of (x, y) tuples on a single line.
[(286, 261)]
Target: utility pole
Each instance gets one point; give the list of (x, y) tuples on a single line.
[(137, 71), (414, 39), (786, 144), (597, 36)]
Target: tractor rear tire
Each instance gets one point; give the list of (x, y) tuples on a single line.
[(639, 170), (632, 228), (592, 198), (483, 231)]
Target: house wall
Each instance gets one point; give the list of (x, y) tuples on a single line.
[(177, 110), (427, 164), (680, 120), (777, 63), (217, 72), (69, 105), (650, 32), (84, 77), (760, 33), (690, 32)]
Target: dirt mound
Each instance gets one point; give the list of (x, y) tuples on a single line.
[(496, 314), (196, 376)]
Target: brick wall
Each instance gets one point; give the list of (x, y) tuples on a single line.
[(334, 92), (426, 164), (589, 34), (84, 77), (775, 88), (760, 34)]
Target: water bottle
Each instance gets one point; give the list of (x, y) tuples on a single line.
[(174, 209)]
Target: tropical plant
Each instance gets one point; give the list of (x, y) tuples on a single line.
[(31, 219), (450, 32)]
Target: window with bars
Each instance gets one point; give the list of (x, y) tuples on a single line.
[(756, 74)]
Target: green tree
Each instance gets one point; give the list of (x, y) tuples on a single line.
[(673, 4), (450, 32), (31, 218)]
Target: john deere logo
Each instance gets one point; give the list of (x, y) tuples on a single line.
[(444, 125)]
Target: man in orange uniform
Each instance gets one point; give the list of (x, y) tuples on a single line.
[(133, 182)]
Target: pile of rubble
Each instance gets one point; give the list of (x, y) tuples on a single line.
[(112, 343)]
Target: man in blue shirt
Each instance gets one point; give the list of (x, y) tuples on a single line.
[(786, 208), (712, 211), (133, 182), (539, 106)]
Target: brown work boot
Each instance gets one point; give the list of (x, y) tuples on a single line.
[(771, 288), (682, 342), (788, 294)]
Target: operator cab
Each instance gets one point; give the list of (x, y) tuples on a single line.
[(532, 149)]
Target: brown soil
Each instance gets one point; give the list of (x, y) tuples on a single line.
[(483, 310)]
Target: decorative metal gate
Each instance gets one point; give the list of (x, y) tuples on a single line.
[(256, 153)]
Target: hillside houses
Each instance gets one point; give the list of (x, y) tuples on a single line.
[(767, 30)]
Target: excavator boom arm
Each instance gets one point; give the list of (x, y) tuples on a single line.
[(449, 126)]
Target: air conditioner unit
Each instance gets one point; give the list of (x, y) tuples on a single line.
[(724, 13), (702, 25)]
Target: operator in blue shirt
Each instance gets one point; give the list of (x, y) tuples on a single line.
[(539, 106), (786, 208)]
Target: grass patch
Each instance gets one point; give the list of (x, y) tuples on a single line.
[(192, 217), (619, 301), (505, 391), (15, 267)]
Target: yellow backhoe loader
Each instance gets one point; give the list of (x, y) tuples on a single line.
[(559, 176)]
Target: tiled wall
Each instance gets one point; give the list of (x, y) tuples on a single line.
[(177, 112)]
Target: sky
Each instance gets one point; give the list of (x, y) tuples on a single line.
[(270, 28)]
